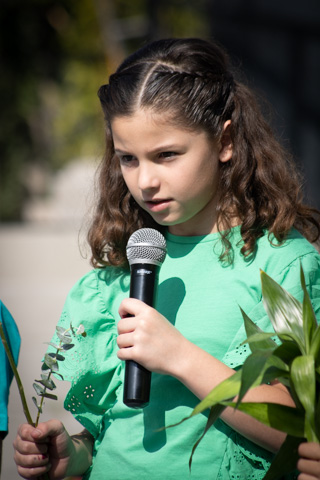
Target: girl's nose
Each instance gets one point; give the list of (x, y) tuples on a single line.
[(148, 177)]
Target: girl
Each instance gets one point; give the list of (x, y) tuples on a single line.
[(188, 153)]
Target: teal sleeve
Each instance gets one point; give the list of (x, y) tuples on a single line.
[(13, 339), (92, 365), (289, 279)]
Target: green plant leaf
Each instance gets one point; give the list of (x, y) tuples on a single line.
[(64, 338), (38, 389), (257, 339), (309, 318), (49, 360), (54, 345), (215, 412), (59, 357), (285, 460), (67, 346), (226, 390), (287, 351), (36, 404), (281, 417), (304, 382), (284, 311), (276, 369), (315, 345), (48, 383), (252, 371), (49, 395)]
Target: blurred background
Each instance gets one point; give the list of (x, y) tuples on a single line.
[(54, 55)]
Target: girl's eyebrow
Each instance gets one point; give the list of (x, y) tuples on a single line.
[(160, 148)]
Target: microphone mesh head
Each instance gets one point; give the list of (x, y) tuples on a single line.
[(146, 246)]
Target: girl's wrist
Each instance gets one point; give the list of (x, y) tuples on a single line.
[(81, 457)]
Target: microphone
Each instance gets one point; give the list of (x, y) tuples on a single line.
[(146, 251)]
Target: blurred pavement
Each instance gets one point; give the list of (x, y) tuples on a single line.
[(39, 263)]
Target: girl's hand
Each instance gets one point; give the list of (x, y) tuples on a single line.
[(49, 448), (149, 338), (46, 448), (309, 462)]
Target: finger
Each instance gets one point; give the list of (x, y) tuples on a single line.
[(309, 468), (126, 325), (309, 450), (126, 353), (125, 340), (27, 432), (131, 306), (34, 472), (26, 448), (31, 461), (50, 428)]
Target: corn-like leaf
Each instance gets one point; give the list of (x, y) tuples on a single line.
[(215, 412), (309, 318), (257, 339), (276, 368), (252, 371), (226, 390), (286, 459), (315, 345), (287, 351), (304, 381), (281, 417), (284, 311)]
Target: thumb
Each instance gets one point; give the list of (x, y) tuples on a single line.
[(51, 428)]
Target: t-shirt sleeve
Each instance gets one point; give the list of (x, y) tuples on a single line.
[(289, 279), (13, 339), (92, 365)]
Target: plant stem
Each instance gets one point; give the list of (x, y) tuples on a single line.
[(16, 376), (19, 383)]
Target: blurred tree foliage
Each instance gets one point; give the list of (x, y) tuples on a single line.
[(54, 55)]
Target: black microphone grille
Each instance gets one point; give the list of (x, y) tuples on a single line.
[(146, 246)]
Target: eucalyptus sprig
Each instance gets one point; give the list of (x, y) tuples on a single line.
[(50, 365), (293, 361)]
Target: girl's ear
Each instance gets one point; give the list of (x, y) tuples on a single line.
[(225, 152)]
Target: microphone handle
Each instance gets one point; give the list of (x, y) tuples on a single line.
[(137, 380)]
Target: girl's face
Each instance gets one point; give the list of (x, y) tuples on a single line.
[(172, 173)]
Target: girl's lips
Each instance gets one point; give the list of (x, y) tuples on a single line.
[(157, 205)]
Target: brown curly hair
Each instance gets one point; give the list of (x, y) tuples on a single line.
[(192, 82)]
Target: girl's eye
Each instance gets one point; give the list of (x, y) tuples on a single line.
[(125, 159), (167, 154)]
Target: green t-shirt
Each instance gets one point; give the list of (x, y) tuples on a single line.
[(201, 297)]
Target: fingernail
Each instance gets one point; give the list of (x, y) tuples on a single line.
[(37, 433)]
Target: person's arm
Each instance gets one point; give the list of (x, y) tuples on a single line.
[(49, 448), (151, 340), (309, 461)]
